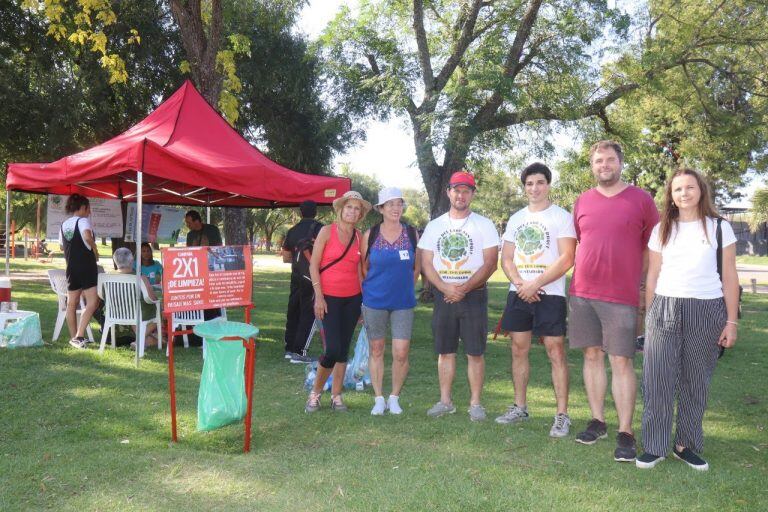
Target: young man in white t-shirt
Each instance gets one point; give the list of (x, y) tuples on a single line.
[(539, 247), (460, 251)]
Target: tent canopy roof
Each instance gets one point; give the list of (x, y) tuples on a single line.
[(188, 154)]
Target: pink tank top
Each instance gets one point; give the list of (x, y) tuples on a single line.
[(341, 279)]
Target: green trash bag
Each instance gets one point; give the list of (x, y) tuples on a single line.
[(221, 400), (24, 332)]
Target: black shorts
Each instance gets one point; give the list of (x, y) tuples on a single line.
[(544, 318), (467, 320), (82, 277)]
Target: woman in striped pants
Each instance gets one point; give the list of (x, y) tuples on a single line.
[(692, 313)]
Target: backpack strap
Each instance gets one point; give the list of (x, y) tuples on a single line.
[(412, 236), (719, 237), (374, 232)]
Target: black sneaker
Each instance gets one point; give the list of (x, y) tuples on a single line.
[(647, 461), (625, 448), (78, 342), (686, 455), (596, 429), (300, 359)]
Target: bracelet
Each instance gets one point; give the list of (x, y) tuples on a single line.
[(731, 322), (315, 283)]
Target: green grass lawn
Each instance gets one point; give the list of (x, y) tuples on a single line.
[(82, 431), (752, 260)]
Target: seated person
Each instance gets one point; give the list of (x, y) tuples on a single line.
[(124, 261), (150, 267)]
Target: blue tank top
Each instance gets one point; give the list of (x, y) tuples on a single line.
[(389, 281)]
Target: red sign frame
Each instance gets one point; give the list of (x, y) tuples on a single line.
[(206, 277)]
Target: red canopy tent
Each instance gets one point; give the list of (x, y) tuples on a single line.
[(183, 153), (188, 154)]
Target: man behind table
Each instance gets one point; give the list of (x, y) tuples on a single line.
[(200, 234)]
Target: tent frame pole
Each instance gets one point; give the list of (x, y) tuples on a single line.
[(137, 259), (7, 234)]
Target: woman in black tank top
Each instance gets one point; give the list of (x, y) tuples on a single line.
[(81, 256)]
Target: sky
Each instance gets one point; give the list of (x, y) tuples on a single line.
[(388, 151)]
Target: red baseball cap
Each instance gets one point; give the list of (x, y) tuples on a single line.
[(462, 178)]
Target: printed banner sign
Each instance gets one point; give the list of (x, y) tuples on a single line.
[(206, 277), (160, 224), (106, 217)]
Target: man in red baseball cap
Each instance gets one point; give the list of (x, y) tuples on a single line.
[(462, 178), (459, 252)]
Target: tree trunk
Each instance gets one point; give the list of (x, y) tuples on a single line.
[(268, 232), (201, 47), (436, 180)]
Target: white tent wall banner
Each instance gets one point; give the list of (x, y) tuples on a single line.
[(106, 217), (160, 224)]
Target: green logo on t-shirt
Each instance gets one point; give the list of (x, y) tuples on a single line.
[(530, 239), (454, 246)]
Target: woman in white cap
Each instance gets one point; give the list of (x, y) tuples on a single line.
[(390, 268), (336, 276)]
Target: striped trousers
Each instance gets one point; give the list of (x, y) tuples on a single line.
[(679, 359)]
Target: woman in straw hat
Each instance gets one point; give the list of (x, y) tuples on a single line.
[(390, 268), (336, 276)]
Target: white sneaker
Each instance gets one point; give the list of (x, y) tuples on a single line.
[(393, 404), (561, 427), (379, 406)]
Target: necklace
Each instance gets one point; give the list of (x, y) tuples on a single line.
[(452, 221)]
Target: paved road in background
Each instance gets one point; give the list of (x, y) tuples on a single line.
[(749, 272)]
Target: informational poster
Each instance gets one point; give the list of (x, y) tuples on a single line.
[(206, 277), (160, 224), (106, 217)]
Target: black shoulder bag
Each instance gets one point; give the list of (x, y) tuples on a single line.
[(719, 237)]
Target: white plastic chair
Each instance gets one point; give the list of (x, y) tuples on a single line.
[(120, 308), (58, 279), (189, 318)]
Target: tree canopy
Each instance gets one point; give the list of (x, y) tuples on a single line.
[(475, 76)]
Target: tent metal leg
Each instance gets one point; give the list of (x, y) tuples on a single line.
[(7, 233), (139, 206)]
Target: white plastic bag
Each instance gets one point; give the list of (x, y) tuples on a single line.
[(24, 332), (357, 374)]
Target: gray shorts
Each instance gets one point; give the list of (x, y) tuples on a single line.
[(400, 322), (595, 323), (467, 320)]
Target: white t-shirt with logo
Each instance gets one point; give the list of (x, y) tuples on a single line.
[(68, 229), (689, 260), (535, 236), (458, 245)]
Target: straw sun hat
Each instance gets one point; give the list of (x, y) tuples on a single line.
[(339, 203)]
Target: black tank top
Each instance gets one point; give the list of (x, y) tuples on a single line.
[(81, 261)]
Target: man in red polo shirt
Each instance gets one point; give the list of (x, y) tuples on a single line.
[(613, 223)]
